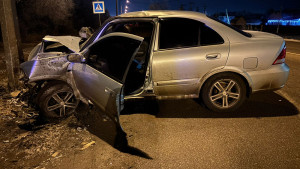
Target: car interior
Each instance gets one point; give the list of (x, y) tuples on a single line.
[(136, 75), (112, 56)]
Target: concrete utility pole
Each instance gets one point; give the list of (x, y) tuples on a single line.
[(117, 7), (11, 40)]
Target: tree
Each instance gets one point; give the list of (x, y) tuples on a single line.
[(41, 17), (58, 11)]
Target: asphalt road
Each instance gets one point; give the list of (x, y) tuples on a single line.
[(265, 133)]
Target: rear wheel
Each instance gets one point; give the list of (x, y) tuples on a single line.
[(224, 92), (57, 100)]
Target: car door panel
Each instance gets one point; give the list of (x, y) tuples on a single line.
[(104, 88), (186, 49), (95, 86), (172, 67)]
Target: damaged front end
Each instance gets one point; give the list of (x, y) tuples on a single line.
[(48, 62), (62, 76)]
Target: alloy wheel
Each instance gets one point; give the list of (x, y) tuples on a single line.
[(225, 93), (62, 103)]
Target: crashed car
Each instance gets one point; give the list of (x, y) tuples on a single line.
[(155, 54)]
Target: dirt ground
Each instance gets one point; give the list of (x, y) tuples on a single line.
[(27, 141)]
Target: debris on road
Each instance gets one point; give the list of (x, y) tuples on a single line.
[(79, 129), (21, 136), (25, 135), (15, 93), (88, 145), (55, 154)]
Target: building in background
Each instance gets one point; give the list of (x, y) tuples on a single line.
[(284, 22)]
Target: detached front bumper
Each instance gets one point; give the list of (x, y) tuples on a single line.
[(270, 79)]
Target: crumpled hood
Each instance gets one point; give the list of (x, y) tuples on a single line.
[(71, 42)]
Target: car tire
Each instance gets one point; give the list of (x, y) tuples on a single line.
[(57, 101), (224, 92)]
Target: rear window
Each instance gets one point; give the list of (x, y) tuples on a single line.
[(232, 27), (209, 37)]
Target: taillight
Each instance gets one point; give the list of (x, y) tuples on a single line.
[(281, 58)]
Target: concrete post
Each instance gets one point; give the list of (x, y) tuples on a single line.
[(11, 40)]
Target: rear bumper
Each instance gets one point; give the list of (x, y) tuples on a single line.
[(270, 79)]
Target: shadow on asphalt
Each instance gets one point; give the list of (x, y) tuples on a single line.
[(99, 124), (264, 104)]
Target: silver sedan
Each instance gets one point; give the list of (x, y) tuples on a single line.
[(157, 54)]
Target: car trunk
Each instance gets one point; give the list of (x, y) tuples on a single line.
[(263, 35)]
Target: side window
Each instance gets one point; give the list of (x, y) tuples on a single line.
[(181, 32), (209, 37), (112, 55), (178, 32)]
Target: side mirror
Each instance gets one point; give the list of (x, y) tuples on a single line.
[(76, 57)]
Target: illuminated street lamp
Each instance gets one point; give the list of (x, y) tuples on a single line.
[(126, 7)]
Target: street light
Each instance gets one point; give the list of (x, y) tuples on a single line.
[(126, 7)]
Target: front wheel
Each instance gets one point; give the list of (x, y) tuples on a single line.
[(224, 92), (57, 100)]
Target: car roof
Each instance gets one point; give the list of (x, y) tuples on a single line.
[(163, 13), (225, 31)]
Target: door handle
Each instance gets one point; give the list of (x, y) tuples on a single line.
[(213, 56)]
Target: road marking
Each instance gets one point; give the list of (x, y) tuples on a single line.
[(293, 53), (290, 99)]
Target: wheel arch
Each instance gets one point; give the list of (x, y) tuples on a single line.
[(246, 78), (45, 81)]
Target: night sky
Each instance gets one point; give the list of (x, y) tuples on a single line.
[(212, 6)]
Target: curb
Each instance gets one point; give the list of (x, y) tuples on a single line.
[(292, 40)]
